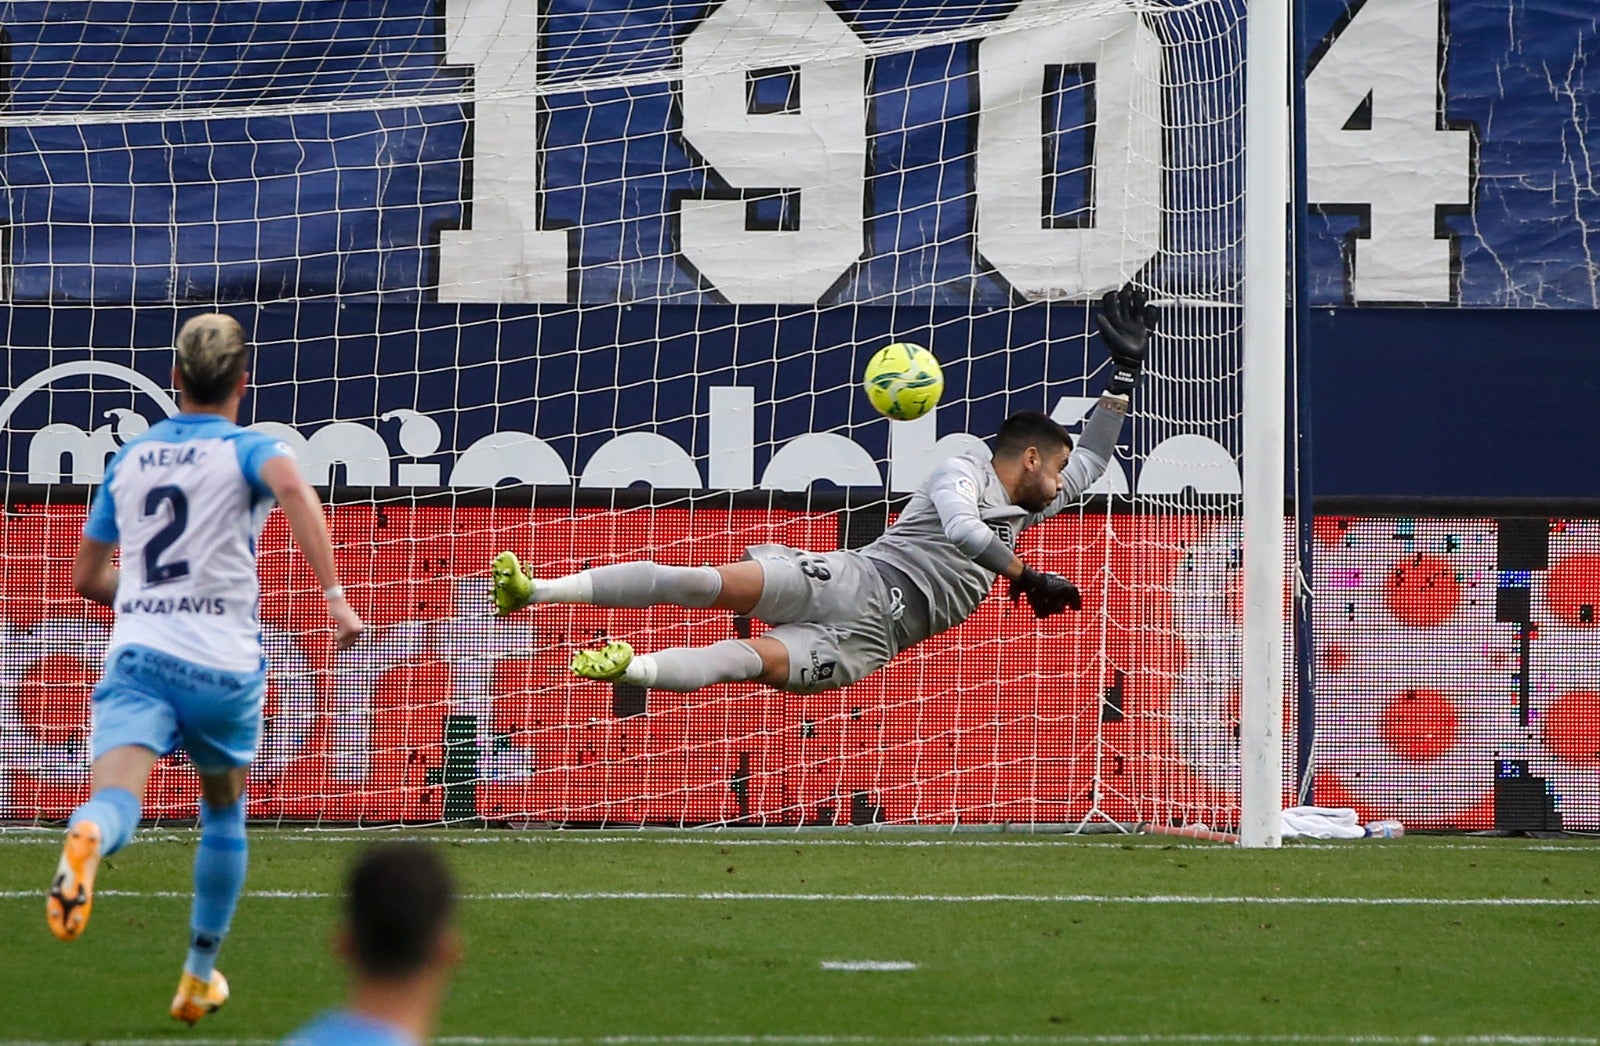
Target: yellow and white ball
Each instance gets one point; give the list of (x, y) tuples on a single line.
[(903, 381)]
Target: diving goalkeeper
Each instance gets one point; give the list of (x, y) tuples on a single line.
[(838, 616)]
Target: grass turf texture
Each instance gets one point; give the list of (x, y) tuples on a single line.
[(1062, 966)]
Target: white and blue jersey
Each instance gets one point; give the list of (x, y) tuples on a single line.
[(186, 502)]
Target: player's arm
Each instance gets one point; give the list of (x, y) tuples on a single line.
[(303, 509), (953, 489), (1091, 452), (94, 576), (1046, 593), (1126, 320)]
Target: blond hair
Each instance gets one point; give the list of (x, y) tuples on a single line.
[(211, 354)]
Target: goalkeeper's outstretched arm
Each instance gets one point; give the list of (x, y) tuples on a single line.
[(953, 491), (1126, 320)]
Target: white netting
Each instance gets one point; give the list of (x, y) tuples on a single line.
[(595, 282)]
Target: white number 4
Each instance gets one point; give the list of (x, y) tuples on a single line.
[(1378, 145)]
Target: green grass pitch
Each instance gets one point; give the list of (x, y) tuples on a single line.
[(723, 937)]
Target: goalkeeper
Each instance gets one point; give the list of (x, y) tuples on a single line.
[(838, 616)]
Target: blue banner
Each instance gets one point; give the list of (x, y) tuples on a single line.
[(1447, 150), (371, 396), (479, 245)]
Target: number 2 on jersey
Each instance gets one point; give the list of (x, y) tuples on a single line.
[(155, 571)]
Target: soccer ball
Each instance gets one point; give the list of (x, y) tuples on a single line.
[(903, 381)]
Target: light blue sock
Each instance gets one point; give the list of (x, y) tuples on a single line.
[(219, 867), (116, 811)]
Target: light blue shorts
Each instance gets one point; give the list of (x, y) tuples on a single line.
[(160, 702)]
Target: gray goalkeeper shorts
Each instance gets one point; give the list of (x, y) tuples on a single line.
[(831, 612)]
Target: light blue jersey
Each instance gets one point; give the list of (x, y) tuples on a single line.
[(186, 503), (343, 1028)]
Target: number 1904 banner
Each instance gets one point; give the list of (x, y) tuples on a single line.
[(782, 151)]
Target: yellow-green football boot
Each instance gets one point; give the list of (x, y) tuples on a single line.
[(606, 664), (513, 586)]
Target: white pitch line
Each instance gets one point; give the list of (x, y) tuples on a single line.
[(536, 837), (904, 898), (710, 836), (1151, 1039), (868, 965), (1155, 1039)]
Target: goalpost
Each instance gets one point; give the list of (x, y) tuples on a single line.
[(1266, 332), (593, 280)]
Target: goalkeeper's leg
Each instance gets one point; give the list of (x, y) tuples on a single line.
[(687, 668), (735, 586)]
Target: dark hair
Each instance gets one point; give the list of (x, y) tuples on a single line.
[(1029, 428), (211, 351), (399, 901)]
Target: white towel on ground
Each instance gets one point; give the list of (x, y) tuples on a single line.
[(1321, 822)]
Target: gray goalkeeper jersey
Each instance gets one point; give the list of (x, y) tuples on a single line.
[(961, 529)]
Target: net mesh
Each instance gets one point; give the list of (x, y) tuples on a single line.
[(595, 283)]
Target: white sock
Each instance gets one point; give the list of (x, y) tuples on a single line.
[(689, 668), (637, 584), (641, 671), (574, 588)]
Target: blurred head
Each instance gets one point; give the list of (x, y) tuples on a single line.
[(398, 911), (211, 353), (1030, 450)]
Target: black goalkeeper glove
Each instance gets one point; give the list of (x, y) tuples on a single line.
[(1126, 320), (1047, 593)]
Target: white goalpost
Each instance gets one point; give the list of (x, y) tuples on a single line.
[(592, 281), (1266, 334)]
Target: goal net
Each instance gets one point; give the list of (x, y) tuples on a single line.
[(594, 281)]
